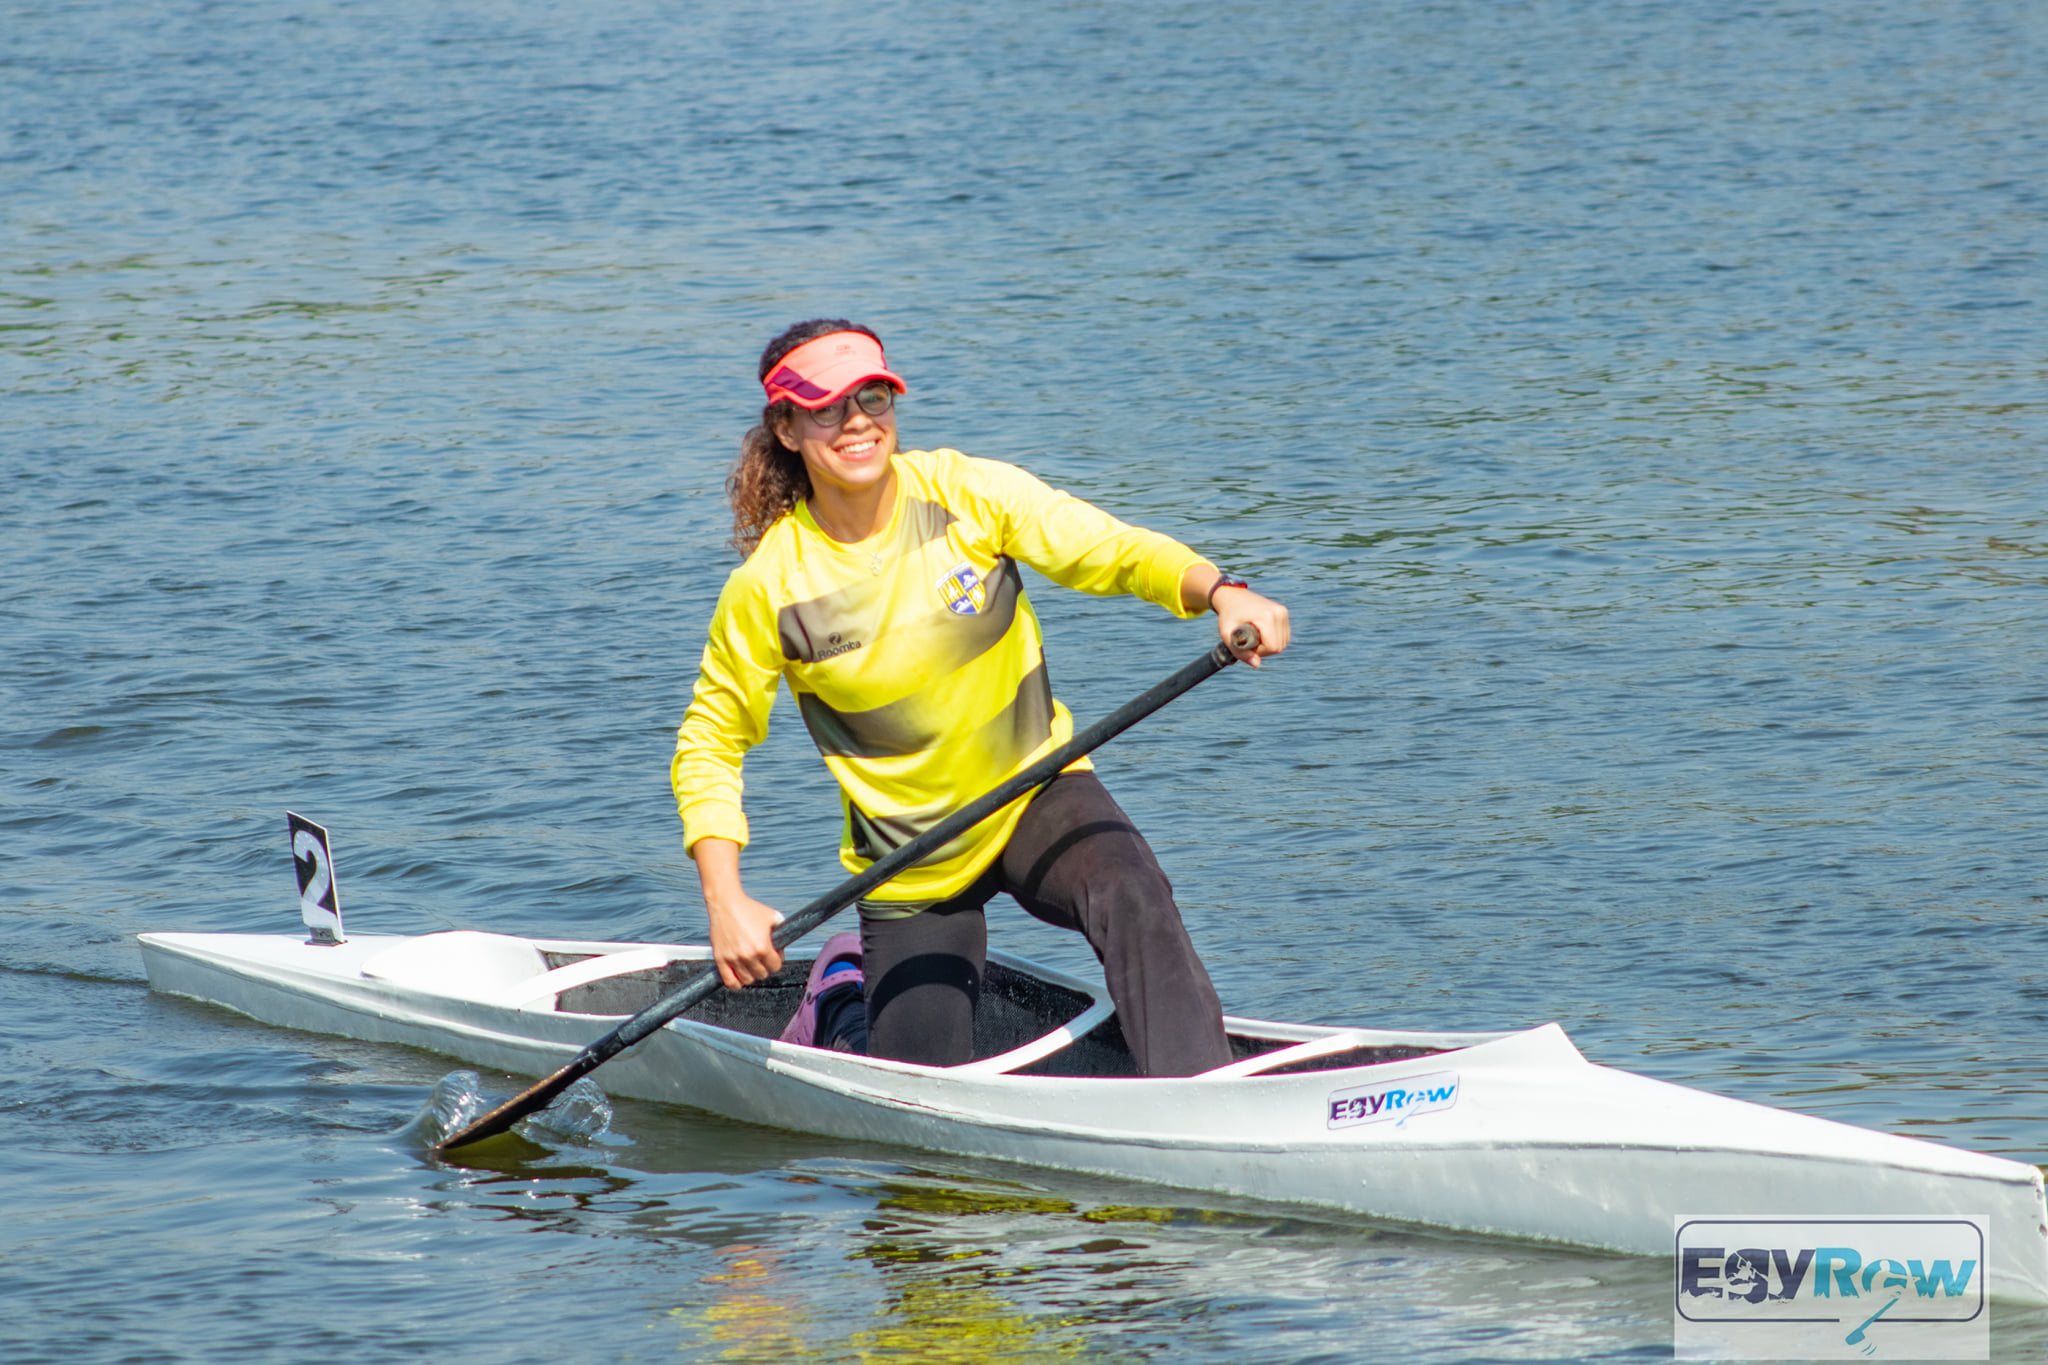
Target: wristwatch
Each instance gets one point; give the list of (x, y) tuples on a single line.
[(1224, 581)]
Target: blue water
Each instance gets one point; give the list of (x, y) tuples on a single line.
[(1639, 406)]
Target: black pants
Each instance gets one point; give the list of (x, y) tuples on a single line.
[(1076, 861)]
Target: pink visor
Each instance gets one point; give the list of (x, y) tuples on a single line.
[(825, 367)]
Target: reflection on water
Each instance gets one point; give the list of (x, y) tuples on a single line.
[(952, 1316), (979, 1269), (748, 1313), (963, 1316)]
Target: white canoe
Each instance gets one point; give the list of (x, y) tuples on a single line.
[(1514, 1134)]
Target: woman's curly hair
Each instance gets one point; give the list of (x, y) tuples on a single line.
[(770, 478)]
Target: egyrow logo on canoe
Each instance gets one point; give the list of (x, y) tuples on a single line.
[(1393, 1101), (1853, 1288)]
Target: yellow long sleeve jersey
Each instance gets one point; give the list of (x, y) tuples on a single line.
[(915, 660)]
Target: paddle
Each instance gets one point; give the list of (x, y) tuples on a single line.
[(699, 987)]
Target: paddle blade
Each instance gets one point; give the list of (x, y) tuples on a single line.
[(533, 1099)]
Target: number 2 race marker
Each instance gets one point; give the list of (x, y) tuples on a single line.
[(313, 860)]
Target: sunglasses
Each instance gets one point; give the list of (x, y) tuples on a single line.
[(874, 398)]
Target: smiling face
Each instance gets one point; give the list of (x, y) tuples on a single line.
[(848, 458)]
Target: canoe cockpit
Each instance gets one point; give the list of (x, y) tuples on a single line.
[(1027, 1023)]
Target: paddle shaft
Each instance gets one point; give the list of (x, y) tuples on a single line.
[(538, 1095)]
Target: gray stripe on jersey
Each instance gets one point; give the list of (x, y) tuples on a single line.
[(1024, 724), (908, 726), (809, 628)]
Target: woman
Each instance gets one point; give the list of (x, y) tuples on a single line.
[(883, 585)]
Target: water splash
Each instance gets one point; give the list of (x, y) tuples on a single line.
[(457, 1101), (582, 1113)]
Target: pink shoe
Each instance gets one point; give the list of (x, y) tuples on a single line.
[(842, 951)]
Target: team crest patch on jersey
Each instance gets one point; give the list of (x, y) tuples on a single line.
[(963, 591)]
